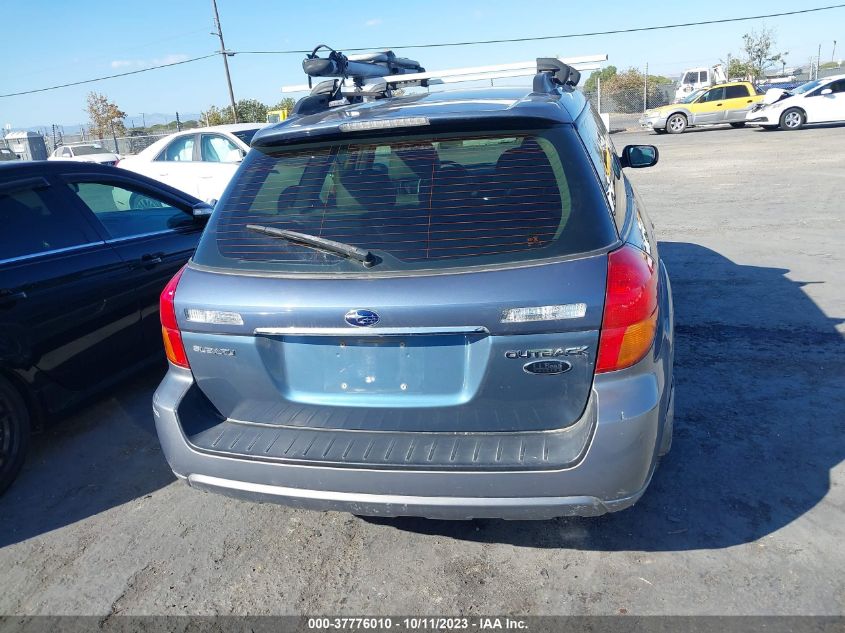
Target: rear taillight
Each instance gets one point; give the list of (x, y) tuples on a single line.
[(630, 309), (173, 345)]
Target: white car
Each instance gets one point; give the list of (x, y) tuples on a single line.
[(200, 161), (817, 101), (86, 153)]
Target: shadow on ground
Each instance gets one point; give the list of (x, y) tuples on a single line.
[(100, 458), (760, 417)]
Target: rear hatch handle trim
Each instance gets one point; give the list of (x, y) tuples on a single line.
[(383, 331)]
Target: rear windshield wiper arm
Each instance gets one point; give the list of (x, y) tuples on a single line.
[(318, 243)]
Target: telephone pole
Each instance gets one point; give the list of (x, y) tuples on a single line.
[(219, 33)]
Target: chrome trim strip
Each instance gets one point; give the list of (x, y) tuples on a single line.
[(138, 236), (54, 251), (362, 331)]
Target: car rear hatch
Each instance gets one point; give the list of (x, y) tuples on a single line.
[(482, 315)]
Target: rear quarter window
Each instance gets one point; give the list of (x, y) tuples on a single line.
[(416, 202), (35, 222)]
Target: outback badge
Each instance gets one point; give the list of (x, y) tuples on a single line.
[(547, 367)]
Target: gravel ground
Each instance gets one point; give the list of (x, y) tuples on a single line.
[(744, 516)]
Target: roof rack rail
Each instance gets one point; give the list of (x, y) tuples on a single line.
[(386, 72)]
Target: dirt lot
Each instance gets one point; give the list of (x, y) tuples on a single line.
[(745, 515)]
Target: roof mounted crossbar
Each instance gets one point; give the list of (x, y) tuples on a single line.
[(554, 71), (357, 67), (377, 75)]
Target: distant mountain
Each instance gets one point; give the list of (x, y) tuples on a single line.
[(136, 120)]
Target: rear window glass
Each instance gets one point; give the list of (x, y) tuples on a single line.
[(416, 203), (736, 92)]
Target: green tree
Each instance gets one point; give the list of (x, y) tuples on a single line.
[(735, 68), (217, 116), (251, 111), (760, 55), (604, 74), (106, 118), (285, 104), (626, 90)]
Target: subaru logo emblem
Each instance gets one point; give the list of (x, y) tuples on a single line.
[(361, 318)]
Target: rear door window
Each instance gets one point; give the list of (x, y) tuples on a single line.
[(218, 149), (35, 222), (126, 212), (417, 203), (736, 92)]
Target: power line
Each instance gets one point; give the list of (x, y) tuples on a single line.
[(557, 37), (88, 81), (442, 44)]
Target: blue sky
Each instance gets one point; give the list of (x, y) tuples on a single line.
[(58, 41)]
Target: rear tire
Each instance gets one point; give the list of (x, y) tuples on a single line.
[(14, 433), (738, 124), (792, 119), (676, 124)]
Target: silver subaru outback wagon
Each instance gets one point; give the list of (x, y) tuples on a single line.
[(448, 305)]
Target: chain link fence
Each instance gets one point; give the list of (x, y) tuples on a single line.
[(123, 145), (625, 104)]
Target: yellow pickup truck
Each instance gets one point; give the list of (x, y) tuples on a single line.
[(722, 103)]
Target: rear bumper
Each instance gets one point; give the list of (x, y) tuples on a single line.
[(630, 409), (442, 507)]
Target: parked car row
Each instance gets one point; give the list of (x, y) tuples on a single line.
[(312, 357), (739, 103)]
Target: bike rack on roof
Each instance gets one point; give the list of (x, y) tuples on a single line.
[(386, 72)]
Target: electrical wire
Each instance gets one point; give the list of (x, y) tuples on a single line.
[(556, 37), (88, 81), (441, 45)]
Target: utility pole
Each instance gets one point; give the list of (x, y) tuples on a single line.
[(645, 89), (219, 33), (833, 52), (114, 137)]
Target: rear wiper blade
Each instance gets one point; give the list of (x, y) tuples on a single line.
[(318, 243)]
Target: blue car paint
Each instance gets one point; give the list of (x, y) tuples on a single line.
[(440, 372)]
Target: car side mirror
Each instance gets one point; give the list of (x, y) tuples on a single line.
[(639, 156), (827, 91), (203, 209)]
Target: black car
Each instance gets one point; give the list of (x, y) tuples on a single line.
[(85, 251)]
